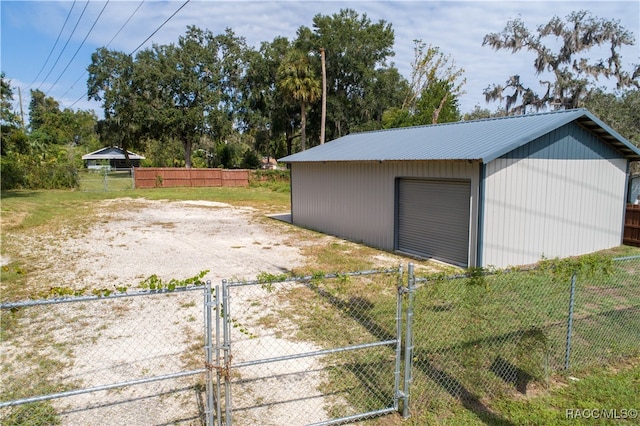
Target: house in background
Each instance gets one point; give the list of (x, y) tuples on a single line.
[(496, 192), (111, 157), (634, 189)]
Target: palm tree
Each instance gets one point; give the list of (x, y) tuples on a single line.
[(299, 83)]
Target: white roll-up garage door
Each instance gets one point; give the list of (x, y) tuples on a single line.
[(432, 219)]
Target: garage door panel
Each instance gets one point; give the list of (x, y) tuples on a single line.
[(433, 219)]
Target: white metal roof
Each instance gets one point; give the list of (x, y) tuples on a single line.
[(111, 153), (481, 140)]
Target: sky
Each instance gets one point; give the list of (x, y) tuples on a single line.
[(47, 45)]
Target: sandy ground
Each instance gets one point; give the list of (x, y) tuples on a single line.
[(172, 240)]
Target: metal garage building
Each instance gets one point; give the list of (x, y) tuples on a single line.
[(496, 192)]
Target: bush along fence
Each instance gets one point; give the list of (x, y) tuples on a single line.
[(320, 349)]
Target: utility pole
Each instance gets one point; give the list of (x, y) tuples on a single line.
[(21, 110), (324, 95)]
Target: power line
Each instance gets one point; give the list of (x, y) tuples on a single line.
[(125, 24), (147, 39), (54, 44), (158, 29), (81, 44), (65, 45), (107, 45)]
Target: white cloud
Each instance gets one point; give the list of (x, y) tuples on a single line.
[(456, 27)]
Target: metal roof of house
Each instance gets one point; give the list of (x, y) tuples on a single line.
[(481, 140), (111, 153)]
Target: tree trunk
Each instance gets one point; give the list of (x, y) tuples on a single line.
[(127, 160), (324, 96), (289, 144), (436, 112), (187, 153), (303, 127)]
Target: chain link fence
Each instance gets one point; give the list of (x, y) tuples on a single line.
[(312, 350), (322, 349), (107, 179), (134, 359), (486, 335)]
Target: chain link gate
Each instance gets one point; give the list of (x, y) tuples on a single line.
[(122, 358), (307, 351)]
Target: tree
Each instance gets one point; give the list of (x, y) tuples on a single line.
[(621, 111), (185, 91), (192, 88), (110, 80), (173, 83), (12, 137), (479, 113), (50, 125), (355, 48), (435, 85), (432, 95), (7, 116), (36, 159), (41, 108), (269, 116), (298, 81), (571, 75), (437, 104)]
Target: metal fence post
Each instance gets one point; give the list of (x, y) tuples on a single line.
[(570, 321), (217, 349), (208, 350), (398, 367), (226, 347), (408, 351)]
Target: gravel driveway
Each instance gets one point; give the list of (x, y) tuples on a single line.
[(174, 240)]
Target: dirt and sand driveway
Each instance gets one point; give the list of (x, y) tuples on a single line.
[(132, 239), (171, 240)]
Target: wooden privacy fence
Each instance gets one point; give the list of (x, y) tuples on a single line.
[(167, 177), (632, 226)]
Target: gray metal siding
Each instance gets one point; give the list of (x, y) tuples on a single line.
[(558, 196), (433, 219), (355, 200)]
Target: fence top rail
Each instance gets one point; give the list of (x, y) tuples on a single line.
[(616, 259), (115, 295), (281, 280), (473, 273)]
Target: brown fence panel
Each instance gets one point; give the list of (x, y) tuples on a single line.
[(632, 226), (147, 178), (167, 177), (206, 177), (176, 177), (235, 178)]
